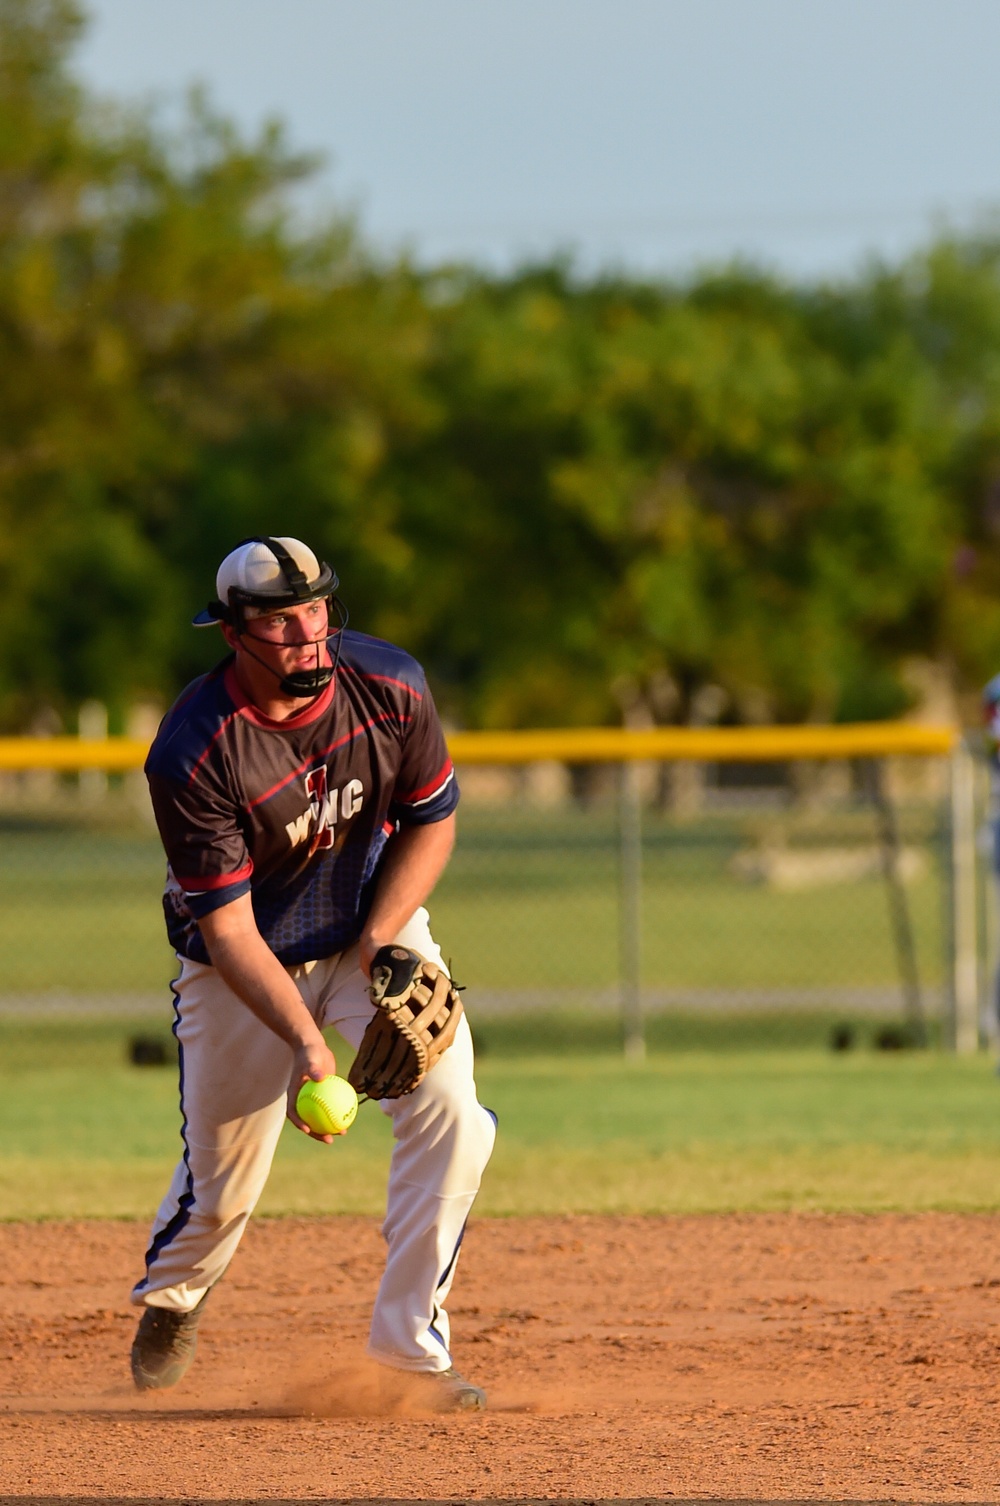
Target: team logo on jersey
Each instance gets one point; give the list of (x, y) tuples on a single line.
[(326, 808)]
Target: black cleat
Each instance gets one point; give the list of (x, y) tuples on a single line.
[(164, 1346)]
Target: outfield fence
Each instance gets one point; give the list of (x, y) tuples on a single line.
[(690, 883)]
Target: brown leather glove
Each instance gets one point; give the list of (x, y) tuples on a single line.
[(417, 1010)]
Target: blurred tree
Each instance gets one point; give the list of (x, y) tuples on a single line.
[(575, 500), (648, 490), (178, 368), (946, 303)]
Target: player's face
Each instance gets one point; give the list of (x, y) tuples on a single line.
[(289, 640), (292, 627), (291, 633)]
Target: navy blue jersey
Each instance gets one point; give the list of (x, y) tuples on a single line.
[(298, 812)]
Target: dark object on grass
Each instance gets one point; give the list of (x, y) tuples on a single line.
[(895, 1038), (149, 1051), (915, 1027), (842, 1038)]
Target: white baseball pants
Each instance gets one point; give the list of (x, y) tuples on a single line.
[(234, 1077)]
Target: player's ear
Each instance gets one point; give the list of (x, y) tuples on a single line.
[(230, 634)]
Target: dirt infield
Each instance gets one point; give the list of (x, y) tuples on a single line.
[(768, 1357)]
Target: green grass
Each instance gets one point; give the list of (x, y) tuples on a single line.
[(545, 882), (529, 902), (80, 910), (596, 1033), (82, 1133), (736, 1111)]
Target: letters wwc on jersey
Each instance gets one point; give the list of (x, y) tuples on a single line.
[(296, 813), (324, 810)]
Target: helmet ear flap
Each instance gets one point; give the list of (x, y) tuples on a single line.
[(235, 615)]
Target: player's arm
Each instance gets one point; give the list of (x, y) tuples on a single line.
[(415, 859), (244, 960)]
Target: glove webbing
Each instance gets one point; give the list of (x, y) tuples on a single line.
[(419, 1010)]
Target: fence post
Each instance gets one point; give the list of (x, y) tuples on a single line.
[(964, 980), (93, 727), (630, 911), (899, 910), (986, 911)]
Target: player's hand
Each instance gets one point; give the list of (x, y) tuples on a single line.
[(367, 947), (316, 1061)]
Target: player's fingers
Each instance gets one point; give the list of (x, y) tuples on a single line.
[(293, 1114), (300, 1125)]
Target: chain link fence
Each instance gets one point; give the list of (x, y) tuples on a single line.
[(751, 914), (675, 904)]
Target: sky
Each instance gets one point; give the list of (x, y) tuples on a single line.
[(646, 135)]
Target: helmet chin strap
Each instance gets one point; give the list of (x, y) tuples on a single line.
[(304, 684)]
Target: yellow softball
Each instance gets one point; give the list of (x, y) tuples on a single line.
[(328, 1106)]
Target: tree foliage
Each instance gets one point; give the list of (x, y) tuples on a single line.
[(572, 498)]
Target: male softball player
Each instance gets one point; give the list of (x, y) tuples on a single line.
[(306, 802)]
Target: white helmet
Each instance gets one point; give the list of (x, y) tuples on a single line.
[(267, 573)]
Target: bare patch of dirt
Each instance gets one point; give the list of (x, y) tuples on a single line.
[(764, 1357)]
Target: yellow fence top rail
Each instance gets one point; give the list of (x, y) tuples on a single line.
[(708, 744), (566, 745), (115, 754)]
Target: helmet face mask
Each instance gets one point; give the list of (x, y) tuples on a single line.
[(299, 683), (284, 584)]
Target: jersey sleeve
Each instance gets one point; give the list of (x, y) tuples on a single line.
[(992, 720), (203, 840), (426, 787)]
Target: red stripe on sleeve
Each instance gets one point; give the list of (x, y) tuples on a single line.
[(429, 788), (205, 882)]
